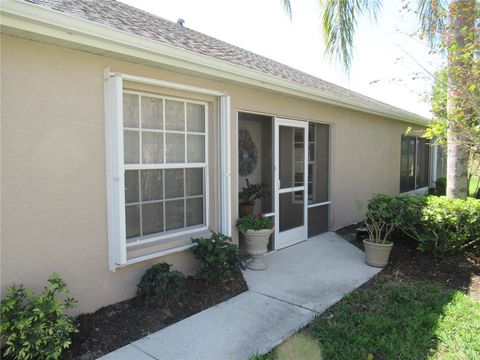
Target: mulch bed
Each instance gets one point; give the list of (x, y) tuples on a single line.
[(458, 272), (117, 325)]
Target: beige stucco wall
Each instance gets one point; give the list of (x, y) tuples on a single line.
[(53, 189)]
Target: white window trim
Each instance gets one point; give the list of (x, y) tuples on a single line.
[(225, 166), (115, 167)]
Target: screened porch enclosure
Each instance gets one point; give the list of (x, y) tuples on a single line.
[(299, 191)]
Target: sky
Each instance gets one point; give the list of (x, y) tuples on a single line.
[(385, 59)]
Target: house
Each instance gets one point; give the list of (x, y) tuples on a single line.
[(125, 135)]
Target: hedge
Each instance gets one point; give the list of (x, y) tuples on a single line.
[(439, 224)]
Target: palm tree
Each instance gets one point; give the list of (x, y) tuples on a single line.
[(445, 23)]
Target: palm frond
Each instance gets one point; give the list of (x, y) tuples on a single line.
[(287, 7), (432, 15), (339, 22)]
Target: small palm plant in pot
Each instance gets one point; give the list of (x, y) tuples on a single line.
[(380, 220), (256, 230), (249, 195)]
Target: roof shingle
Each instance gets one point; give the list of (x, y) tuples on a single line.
[(132, 20)]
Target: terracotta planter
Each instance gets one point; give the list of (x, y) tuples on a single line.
[(377, 254), (245, 209), (256, 242)]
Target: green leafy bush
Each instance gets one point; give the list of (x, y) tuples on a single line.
[(450, 225), (386, 214), (440, 225), (161, 284), (380, 217), (252, 192), (254, 222), (36, 327), (409, 214), (440, 188), (218, 258)]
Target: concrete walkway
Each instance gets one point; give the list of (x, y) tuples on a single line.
[(301, 282)]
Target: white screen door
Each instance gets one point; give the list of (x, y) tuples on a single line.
[(290, 182)]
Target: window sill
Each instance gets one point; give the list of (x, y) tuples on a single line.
[(180, 246), (165, 238), (418, 191)]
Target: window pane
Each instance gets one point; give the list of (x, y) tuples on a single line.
[(152, 218), (173, 183), (152, 185), (175, 148), (130, 110), (407, 165), (195, 117), (131, 186), (311, 152), (194, 211), (152, 113), (196, 148), (299, 135), (174, 214), (152, 147), (298, 174), (194, 181), (131, 152), (299, 151), (423, 157), (132, 220), (311, 132), (318, 174), (174, 115)]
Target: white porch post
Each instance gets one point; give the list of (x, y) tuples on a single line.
[(225, 167)]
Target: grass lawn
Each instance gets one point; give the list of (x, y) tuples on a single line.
[(417, 308), (391, 320)]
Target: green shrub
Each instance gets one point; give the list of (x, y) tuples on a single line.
[(218, 258), (440, 188), (253, 192), (440, 225), (254, 222), (161, 284), (379, 218), (409, 214), (386, 213), (36, 327), (450, 225)]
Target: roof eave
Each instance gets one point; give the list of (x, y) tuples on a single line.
[(21, 16)]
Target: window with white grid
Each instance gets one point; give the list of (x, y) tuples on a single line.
[(165, 162)]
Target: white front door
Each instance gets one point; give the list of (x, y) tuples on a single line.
[(291, 156)]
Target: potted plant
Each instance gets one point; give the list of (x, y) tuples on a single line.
[(380, 220), (249, 194), (256, 230)]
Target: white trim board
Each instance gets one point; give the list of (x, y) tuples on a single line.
[(29, 20), (116, 167), (300, 233)]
